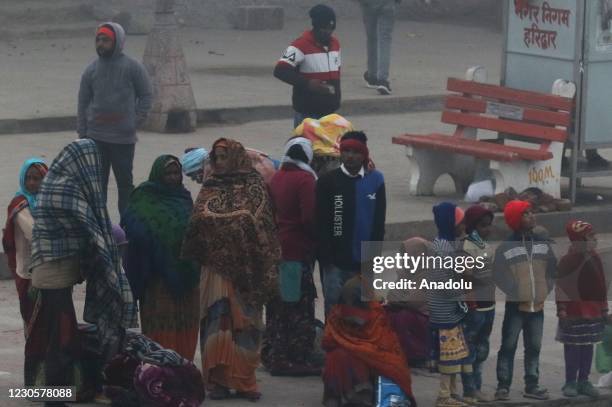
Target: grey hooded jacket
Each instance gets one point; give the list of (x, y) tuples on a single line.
[(115, 96)]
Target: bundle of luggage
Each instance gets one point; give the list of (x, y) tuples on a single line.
[(540, 201)]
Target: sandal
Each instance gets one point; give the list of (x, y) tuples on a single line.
[(249, 395), (219, 393)]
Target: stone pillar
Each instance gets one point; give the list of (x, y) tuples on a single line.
[(174, 108)]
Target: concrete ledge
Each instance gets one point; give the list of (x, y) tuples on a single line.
[(40, 125), (554, 222), (239, 115), (259, 18), (602, 401)]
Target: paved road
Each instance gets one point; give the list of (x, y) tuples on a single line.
[(231, 68), (266, 136), (290, 392)]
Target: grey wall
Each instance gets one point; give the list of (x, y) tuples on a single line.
[(218, 13)]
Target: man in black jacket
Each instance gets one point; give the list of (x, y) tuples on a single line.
[(350, 209)]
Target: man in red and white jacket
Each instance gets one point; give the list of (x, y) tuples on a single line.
[(312, 65)]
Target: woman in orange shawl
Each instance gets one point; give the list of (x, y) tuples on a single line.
[(360, 346), (232, 234)]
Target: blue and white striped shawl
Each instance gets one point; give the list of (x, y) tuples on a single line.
[(71, 219)]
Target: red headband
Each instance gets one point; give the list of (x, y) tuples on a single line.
[(104, 30), (352, 144)]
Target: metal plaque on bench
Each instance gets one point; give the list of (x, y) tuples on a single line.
[(505, 111)]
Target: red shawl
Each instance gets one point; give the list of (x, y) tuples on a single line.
[(8, 243), (8, 234), (581, 287), (374, 343)]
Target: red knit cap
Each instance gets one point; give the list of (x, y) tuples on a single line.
[(105, 30), (459, 215), (474, 214), (577, 230), (513, 212)]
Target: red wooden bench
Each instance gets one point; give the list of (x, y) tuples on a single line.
[(539, 119)]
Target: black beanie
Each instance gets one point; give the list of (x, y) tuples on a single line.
[(323, 16)]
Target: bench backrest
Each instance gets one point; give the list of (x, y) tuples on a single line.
[(534, 116)]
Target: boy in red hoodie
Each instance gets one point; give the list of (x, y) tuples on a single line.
[(582, 307)]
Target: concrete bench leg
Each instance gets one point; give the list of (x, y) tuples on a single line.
[(520, 175), (426, 166), (545, 175)]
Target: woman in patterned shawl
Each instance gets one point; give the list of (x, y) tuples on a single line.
[(17, 233), (72, 242), (167, 287), (232, 234)]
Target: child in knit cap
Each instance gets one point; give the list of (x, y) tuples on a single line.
[(481, 299), (524, 269), (582, 307), (446, 308)]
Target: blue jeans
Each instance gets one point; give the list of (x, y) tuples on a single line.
[(478, 326), (532, 324), (333, 281), (121, 158), (378, 22)]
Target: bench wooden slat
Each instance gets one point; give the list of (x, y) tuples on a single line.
[(504, 126), (477, 148), (526, 98), (480, 106)]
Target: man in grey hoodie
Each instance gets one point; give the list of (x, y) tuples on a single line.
[(114, 98)]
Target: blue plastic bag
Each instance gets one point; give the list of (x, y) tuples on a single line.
[(390, 394)]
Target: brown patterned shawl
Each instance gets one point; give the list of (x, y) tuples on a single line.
[(232, 230)]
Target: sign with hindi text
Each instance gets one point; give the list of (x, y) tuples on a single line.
[(542, 27)]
